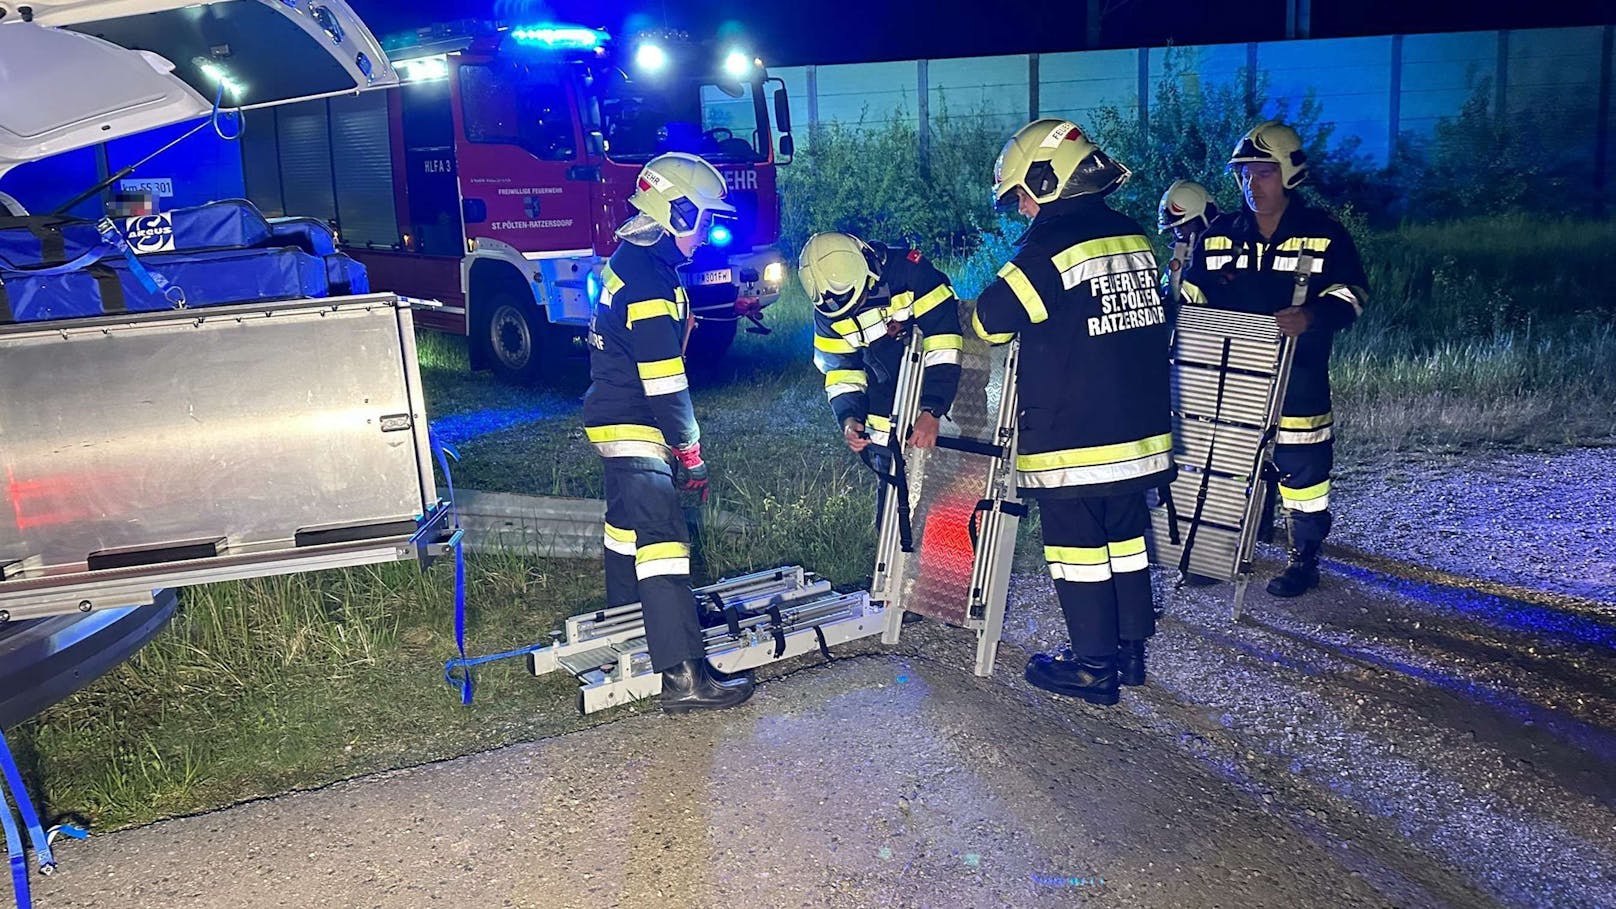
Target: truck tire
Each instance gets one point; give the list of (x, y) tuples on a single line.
[(519, 344), (708, 344)]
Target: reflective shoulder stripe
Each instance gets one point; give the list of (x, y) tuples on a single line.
[(1076, 255), (651, 309), (1312, 244), (933, 298), (976, 326), (1219, 243), (610, 281), (1025, 292), (834, 345)]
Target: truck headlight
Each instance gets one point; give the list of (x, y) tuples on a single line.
[(774, 273)]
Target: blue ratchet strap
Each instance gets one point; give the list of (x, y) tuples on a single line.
[(13, 786), (19, 860), (154, 282), (456, 672)]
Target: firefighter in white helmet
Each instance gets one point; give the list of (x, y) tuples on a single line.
[(866, 296), (1095, 427), (1186, 210), (638, 417), (1250, 260)]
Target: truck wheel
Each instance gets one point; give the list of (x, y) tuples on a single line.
[(708, 344), (518, 340)]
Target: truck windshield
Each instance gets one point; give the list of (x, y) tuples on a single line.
[(717, 121)]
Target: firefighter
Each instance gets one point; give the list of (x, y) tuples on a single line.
[(1249, 261), (1094, 429), (638, 417), (865, 297), (1186, 211)]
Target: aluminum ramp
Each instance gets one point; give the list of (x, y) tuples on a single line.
[(748, 621), (1230, 371), (962, 501)]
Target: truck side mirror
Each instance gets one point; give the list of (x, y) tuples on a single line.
[(788, 148), (782, 110)]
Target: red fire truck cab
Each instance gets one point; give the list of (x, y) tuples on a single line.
[(491, 181)]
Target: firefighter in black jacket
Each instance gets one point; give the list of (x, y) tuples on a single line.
[(637, 415), (865, 297), (1094, 427), (1249, 261)]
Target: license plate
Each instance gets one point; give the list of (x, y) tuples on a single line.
[(707, 278)]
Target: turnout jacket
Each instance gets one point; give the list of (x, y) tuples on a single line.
[(638, 401), (1235, 267), (1095, 408), (859, 352)]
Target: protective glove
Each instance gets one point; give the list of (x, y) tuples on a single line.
[(693, 469)]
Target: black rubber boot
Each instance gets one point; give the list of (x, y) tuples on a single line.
[(691, 686), (1089, 678), (1131, 662), (1300, 576)]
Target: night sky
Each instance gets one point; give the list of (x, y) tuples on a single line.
[(796, 32)]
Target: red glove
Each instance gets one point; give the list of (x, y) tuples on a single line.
[(695, 469)]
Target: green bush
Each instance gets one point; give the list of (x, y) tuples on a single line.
[(868, 179)]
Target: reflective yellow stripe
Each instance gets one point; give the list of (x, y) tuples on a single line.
[(619, 534), (1191, 293), (1311, 244), (976, 325), (1077, 555), (651, 309), (1316, 491), (1073, 256), (943, 342), (1134, 546), (846, 377), (611, 282), (933, 299), (653, 551), (1030, 301), (833, 345), (679, 295), (1099, 454), (1220, 243), (662, 369), (876, 421), (1306, 422), (625, 432), (902, 300)]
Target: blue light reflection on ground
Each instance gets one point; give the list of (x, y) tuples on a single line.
[(1496, 610), (460, 428)]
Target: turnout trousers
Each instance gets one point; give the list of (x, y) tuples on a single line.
[(1095, 548), (648, 557)]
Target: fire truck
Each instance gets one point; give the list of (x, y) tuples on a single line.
[(491, 181)]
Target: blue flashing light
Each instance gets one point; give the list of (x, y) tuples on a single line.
[(592, 288), (720, 235), (560, 37)]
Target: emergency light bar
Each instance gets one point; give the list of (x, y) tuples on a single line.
[(560, 37)]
